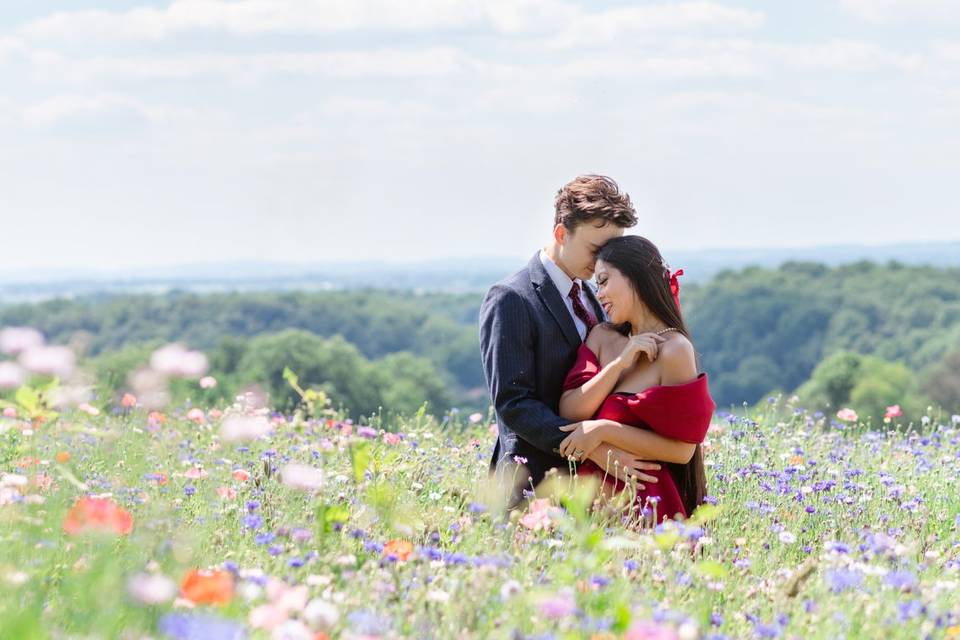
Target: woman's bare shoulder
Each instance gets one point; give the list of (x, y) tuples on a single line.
[(602, 336), (677, 358)]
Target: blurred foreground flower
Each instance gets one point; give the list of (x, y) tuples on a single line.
[(12, 375), (177, 361), (539, 515), (151, 588), (197, 626), (400, 549), (208, 382), (650, 631), (240, 428), (301, 476), (207, 587), (100, 515), (51, 361), (16, 340), (847, 415)]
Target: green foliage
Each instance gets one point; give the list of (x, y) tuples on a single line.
[(865, 383)]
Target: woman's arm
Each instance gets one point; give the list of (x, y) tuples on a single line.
[(678, 365), (582, 403)]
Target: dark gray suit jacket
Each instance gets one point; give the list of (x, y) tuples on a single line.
[(528, 342)]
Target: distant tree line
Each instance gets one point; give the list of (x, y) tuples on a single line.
[(889, 333)]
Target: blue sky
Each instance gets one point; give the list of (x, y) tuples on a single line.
[(152, 133)]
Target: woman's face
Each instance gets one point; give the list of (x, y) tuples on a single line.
[(615, 293)]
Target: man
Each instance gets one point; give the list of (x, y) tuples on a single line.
[(531, 326)]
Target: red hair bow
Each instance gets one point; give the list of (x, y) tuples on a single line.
[(675, 286)]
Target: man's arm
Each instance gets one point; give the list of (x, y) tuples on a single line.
[(509, 363)]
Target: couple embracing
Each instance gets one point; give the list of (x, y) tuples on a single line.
[(606, 381)]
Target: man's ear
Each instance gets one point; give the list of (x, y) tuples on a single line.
[(560, 234)]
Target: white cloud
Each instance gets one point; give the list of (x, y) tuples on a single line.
[(896, 10), (246, 17), (63, 106), (429, 62), (599, 29)]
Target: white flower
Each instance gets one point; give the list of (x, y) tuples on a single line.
[(12, 375), (321, 615), (291, 630), (15, 340), (509, 589), (787, 538), (301, 476), (438, 596), (150, 588), (239, 428), (175, 360), (52, 361)]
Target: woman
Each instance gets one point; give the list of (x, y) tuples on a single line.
[(640, 370)]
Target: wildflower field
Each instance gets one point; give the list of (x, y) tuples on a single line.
[(118, 520)]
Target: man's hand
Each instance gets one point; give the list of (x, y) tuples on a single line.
[(624, 465)]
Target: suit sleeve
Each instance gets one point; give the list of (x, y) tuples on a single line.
[(507, 336)]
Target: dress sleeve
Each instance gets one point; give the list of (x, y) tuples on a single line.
[(586, 367)]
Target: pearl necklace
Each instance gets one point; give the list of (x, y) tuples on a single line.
[(663, 331)]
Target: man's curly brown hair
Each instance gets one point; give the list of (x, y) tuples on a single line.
[(593, 197)]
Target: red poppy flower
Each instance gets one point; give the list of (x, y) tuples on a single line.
[(207, 587), (97, 514), (401, 549)]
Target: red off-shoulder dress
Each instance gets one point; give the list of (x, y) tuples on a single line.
[(679, 412)]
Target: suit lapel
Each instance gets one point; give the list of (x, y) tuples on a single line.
[(552, 300)]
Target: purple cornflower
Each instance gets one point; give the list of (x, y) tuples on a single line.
[(200, 626)]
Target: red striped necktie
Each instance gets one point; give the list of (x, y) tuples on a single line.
[(581, 311)]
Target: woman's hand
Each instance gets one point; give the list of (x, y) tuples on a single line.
[(584, 437), (648, 343)]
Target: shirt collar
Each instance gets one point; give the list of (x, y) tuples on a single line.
[(560, 279)]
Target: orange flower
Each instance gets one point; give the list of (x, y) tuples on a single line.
[(795, 460), (63, 457), (401, 549), (128, 400), (99, 515), (207, 587)]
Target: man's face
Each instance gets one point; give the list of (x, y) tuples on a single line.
[(578, 248)]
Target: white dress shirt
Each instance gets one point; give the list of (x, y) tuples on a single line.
[(564, 284)]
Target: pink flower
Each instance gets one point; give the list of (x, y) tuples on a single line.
[(241, 475), (175, 360), (650, 631), (283, 601), (475, 418), (88, 409), (208, 382), (9, 412), (240, 428), (12, 375), (128, 400), (52, 361), (195, 473), (494, 429), (346, 429), (558, 606), (196, 415), (893, 412), (847, 415), (15, 340), (151, 588), (538, 517), (215, 413), (391, 438), (227, 493), (301, 476)]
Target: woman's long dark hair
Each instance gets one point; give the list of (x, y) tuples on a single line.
[(641, 264)]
